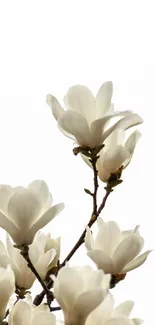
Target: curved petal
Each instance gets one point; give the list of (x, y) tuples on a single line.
[(115, 138), (6, 192), (124, 309), (126, 251), (132, 141), (136, 262), (8, 225), (102, 313), (103, 99), (23, 208), (41, 315), (46, 218), (75, 124), (44, 261), (137, 321), (108, 236), (119, 321), (55, 106), (41, 190), (20, 314), (89, 241), (87, 302), (125, 123), (102, 260), (81, 100)]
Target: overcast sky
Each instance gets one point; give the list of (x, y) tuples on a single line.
[(46, 47)]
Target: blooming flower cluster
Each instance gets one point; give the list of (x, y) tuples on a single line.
[(82, 293)]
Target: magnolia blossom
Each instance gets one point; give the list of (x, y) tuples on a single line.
[(87, 118), (24, 313), (42, 257), (116, 153), (7, 288), (113, 250), (106, 314), (78, 291), (23, 211)]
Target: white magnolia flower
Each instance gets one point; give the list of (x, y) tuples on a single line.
[(113, 250), (23, 211), (106, 314), (86, 119), (24, 313), (40, 256), (7, 288), (78, 291), (115, 154)]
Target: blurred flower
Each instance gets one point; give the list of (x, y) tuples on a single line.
[(78, 291), (7, 288), (106, 314), (24, 313), (113, 250), (43, 256), (86, 119), (23, 211), (116, 154)]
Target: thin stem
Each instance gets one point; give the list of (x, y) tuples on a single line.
[(55, 308), (94, 194), (24, 253)]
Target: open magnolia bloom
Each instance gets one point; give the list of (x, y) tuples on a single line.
[(116, 153), (23, 211), (7, 288), (42, 257), (24, 313), (79, 290), (106, 314), (113, 250), (86, 118)]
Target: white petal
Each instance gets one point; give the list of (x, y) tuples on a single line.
[(67, 286), (119, 321), (6, 192), (75, 124), (23, 208), (126, 251), (103, 99), (137, 321), (41, 315), (125, 123), (124, 309), (108, 236), (115, 138), (44, 261), (20, 314), (41, 190), (102, 260), (8, 225), (137, 262), (7, 287), (89, 241), (46, 218), (132, 141), (57, 110), (80, 99), (87, 302), (102, 312)]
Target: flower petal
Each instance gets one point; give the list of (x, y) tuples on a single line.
[(8, 225), (55, 106), (108, 236), (75, 124), (89, 241), (124, 309), (87, 302), (41, 190), (102, 260), (23, 208), (125, 123), (119, 321), (102, 313), (103, 99), (20, 314), (126, 251), (44, 261), (132, 141), (136, 262), (137, 321), (6, 192), (41, 315), (46, 218), (81, 100)]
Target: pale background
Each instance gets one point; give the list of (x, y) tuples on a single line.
[(47, 46)]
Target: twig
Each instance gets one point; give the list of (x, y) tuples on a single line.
[(47, 292), (55, 308)]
